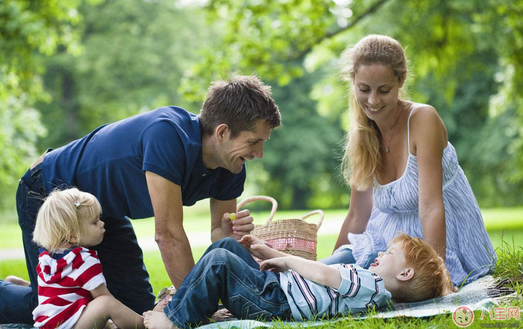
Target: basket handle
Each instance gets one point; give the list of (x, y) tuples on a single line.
[(314, 212), (260, 198)]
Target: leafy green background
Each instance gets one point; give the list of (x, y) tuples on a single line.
[(67, 67)]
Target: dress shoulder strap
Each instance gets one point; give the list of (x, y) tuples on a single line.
[(408, 126)]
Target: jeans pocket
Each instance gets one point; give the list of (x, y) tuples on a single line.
[(246, 309), (28, 202)]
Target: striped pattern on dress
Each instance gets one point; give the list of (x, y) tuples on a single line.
[(469, 251)]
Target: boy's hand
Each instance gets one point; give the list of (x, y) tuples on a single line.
[(276, 264), (257, 247), (249, 240)]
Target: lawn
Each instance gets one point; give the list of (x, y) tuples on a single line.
[(501, 223), (504, 225)]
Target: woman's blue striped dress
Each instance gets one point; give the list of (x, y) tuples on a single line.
[(469, 252)]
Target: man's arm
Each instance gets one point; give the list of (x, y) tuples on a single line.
[(222, 226), (166, 198)]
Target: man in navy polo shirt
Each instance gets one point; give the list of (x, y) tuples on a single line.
[(151, 164)]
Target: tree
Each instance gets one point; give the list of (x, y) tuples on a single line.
[(135, 53), (27, 29), (455, 48), (274, 37), (300, 157)]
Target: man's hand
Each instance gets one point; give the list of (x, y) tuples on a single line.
[(224, 226), (239, 225), (277, 265)]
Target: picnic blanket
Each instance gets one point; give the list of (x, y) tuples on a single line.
[(482, 293)]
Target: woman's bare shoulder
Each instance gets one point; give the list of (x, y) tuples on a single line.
[(424, 115), (426, 125)]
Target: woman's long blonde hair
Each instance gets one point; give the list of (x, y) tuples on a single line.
[(363, 158)]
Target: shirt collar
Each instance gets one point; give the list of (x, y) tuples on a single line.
[(199, 167), (59, 254)]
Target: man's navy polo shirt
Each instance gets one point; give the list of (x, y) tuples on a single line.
[(110, 163)]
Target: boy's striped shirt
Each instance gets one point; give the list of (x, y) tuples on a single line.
[(360, 290)]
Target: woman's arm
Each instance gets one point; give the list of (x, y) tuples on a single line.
[(358, 216), (429, 139)]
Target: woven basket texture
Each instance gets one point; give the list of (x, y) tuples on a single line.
[(292, 236)]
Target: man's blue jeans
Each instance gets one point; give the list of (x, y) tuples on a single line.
[(228, 272), (121, 258)]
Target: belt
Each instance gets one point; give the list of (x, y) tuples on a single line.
[(39, 160)]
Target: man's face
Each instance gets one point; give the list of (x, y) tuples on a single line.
[(245, 147)]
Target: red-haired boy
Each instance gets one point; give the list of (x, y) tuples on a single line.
[(410, 270)]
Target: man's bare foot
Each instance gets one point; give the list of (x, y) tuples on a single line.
[(157, 320), (18, 281)]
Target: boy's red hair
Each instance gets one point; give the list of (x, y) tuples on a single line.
[(431, 277)]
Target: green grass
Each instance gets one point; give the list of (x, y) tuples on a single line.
[(504, 225)]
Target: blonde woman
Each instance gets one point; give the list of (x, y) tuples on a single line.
[(403, 172), (71, 286)]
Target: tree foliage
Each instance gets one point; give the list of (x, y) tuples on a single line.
[(135, 53), (27, 29), (69, 66), (465, 60), (300, 159)]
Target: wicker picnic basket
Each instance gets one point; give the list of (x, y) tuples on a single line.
[(292, 236)]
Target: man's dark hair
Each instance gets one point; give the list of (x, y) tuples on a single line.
[(238, 102)]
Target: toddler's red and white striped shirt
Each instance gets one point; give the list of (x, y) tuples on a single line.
[(64, 285)]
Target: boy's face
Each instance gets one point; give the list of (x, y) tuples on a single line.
[(391, 263)]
